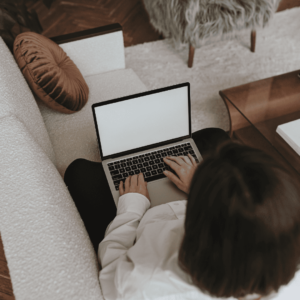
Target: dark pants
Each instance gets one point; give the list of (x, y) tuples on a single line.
[(89, 188)]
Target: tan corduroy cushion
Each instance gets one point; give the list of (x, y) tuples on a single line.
[(50, 73)]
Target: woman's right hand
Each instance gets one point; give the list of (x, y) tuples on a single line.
[(184, 167)]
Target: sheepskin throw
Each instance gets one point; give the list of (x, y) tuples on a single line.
[(200, 21)]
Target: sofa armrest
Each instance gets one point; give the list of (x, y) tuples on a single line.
[(96, 50), (48, 250)]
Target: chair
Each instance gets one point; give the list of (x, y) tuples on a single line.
[(199, 22)]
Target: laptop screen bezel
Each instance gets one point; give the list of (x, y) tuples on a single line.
[(128, 152)]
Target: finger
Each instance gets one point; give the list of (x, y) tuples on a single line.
[(173, 178), (187, 160), (172, 164), (192, 159), (142, 184), (145, 188), (141, 178), (127, 184), (134, 180), (121, 188), (178, 160)]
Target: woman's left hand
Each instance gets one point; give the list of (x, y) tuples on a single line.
[(134, 184)]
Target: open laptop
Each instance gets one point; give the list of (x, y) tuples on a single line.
[(135, 133)]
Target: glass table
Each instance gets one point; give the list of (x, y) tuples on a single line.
[(257, 108)]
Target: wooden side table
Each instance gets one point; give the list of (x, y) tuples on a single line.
[(257, 108)]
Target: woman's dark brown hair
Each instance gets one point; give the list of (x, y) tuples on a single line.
[(242, 226)]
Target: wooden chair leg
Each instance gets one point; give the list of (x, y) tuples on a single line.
[(191, 56), (253, 40)]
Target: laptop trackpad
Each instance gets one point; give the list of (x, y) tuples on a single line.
[(163, 191)]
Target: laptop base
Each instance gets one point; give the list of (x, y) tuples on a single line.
[(160, 191)]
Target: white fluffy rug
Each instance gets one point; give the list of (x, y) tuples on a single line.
[(220, 65)]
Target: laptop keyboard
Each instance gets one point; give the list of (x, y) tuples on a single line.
[(150, 164)]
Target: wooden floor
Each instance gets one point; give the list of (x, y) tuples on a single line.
[(67, 16)]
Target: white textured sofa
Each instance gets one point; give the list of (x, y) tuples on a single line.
[(47, 248)]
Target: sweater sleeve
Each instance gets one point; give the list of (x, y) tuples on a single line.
[(120, 236)]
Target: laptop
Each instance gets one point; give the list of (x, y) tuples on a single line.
[(136, 132)]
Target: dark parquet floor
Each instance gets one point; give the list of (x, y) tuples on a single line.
[(67, 16)]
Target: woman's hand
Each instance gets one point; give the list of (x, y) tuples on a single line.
[(184, 167), (134, 184)]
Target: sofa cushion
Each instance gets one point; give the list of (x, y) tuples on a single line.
[(97, 54), (74, 136), (50, 73), (16, 98), (48, 250)]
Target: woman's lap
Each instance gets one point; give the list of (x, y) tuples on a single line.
[(89, 188)]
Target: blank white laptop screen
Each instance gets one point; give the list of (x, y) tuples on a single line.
[(143, 121)]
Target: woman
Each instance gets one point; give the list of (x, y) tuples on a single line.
[(237, 235)]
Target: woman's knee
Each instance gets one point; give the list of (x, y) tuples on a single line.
[(209, 138), (211, 133), (75, 167)]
